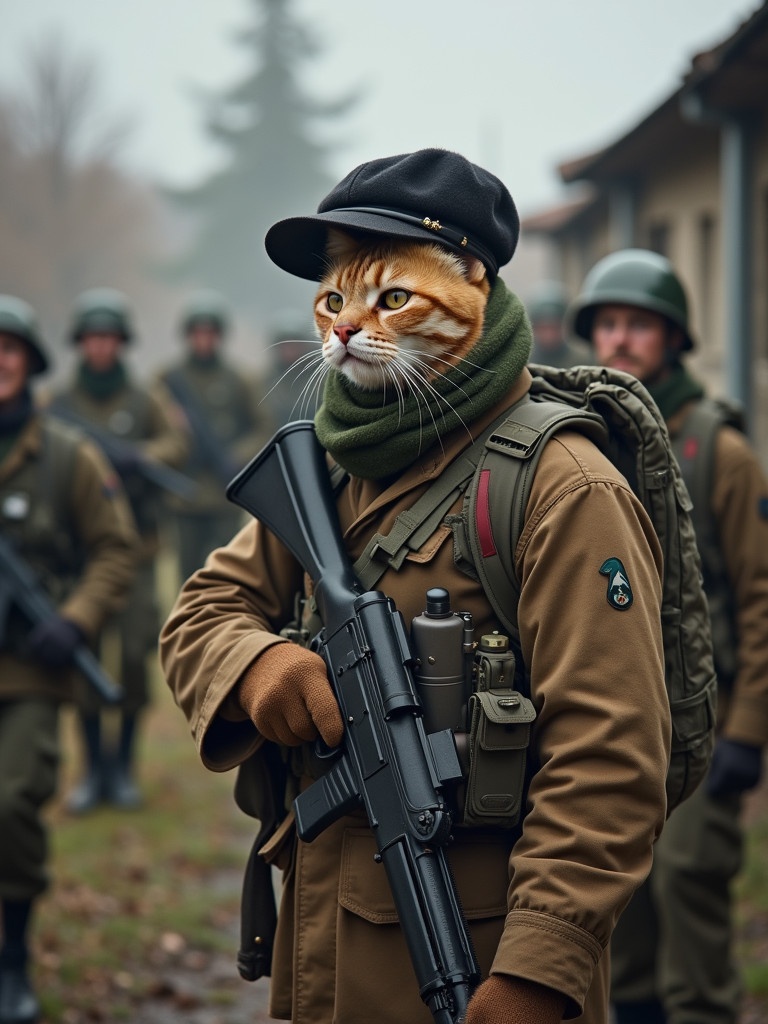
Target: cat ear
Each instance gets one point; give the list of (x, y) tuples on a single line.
[(339, 245), (474, 269)]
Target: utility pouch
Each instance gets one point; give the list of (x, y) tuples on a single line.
[(499, 733)]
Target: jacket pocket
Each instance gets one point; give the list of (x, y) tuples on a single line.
[(479, 863), (375, 980)]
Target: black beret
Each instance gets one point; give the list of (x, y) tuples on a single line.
[(431, 195)]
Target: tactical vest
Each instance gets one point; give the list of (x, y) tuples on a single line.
[(694, 448), (35, 517), (129, 419)]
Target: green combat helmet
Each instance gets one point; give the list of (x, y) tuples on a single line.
[(18, 318), (632, 277), (206, 309), (101, 311), (548, 302)]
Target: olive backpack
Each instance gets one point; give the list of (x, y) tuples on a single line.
[(495, 475)]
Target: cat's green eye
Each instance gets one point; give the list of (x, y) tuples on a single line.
[(334, 302), (396, 298)]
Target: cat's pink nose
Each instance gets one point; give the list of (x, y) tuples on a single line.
[(344, 332)]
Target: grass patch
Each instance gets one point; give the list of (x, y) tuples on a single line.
[(136, 894)]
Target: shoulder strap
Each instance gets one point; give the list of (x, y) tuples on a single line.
[(415, 525), (498, 499)]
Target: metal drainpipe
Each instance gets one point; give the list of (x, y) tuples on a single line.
[(735, 165), (623, 209)]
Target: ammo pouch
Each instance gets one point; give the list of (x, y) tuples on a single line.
[(499, 734)]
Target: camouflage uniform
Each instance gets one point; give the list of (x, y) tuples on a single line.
[(112, 404), (227, 428), (64, 512)]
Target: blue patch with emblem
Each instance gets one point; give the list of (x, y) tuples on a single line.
[(619, 594), (762, 508)]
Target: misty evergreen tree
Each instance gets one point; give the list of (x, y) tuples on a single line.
[(275, 168)]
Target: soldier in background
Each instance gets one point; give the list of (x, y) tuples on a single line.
[(294, 351), (551, 346), (671, 953), (226, 426), (137, 428), (65, 515)]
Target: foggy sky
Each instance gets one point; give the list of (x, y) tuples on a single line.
[(515, 86)]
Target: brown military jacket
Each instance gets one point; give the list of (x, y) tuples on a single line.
[(739, 505), (103, 532), (146, 417), (541, 901)]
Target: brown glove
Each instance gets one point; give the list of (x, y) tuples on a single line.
[(287, 696), (505, 1000)]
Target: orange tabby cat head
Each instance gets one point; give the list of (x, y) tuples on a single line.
[(397, 313)]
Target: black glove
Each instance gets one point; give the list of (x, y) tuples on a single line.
[(735, 768), (53, 641)]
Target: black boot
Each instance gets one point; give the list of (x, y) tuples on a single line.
[(18, 1002), (92, 789), (648, 1011), (123, 791)]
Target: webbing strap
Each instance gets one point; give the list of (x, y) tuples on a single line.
[(415, 525)]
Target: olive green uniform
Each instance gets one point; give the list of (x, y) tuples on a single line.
[(82, 543), (541, 900), (229, 405), (674, 941), (148, 419)]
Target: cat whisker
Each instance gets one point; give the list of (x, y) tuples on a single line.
[(414, 361), (398, 387), (307, 359), (313, 367), (313, 387), (445, 406), (423, 389), (475, 366), (292, 341), (303, 400), (417, 392)]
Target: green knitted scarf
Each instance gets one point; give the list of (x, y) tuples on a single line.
[(675, 390), (373, 437)]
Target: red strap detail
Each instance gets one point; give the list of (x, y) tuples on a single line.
[(483, 515), (691, 448)]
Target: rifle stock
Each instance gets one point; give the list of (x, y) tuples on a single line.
[(20, 587), (386, 762)]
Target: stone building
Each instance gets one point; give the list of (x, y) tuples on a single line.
[(689, 181)]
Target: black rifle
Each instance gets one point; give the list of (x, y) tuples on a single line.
[(20, 587), (386, 761), (162, 476), (208, 448)]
